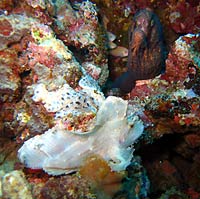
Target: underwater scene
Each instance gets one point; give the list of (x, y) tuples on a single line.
[(99, 99)]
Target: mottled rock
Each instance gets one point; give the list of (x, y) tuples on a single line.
[(71, 187), (15, 186), (13, 28), (9, 84)]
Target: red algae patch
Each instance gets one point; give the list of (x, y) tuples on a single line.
[(6, 27)]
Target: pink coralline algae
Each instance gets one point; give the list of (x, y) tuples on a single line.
[(12, 30), (42, 55), (82, 31), (184, 17), (6, 27), (31, 54)]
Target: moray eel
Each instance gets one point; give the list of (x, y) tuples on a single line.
[(146, 53)]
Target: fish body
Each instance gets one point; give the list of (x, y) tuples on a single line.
[(146, 52)]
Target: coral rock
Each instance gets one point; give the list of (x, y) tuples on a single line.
[(70, 187), (9, 84), (14, 28), (15, 186)]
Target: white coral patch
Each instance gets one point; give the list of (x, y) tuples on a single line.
[(66, 100), (59, 151)]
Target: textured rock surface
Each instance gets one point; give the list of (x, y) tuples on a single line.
[(71, 187), (15, 185), (9, 84), (14, 28)]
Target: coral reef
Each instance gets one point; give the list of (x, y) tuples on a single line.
[(55, 57), (41, 59), (187, 11), (83, 33), (12, 30), (169, 104), (174, 95)]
